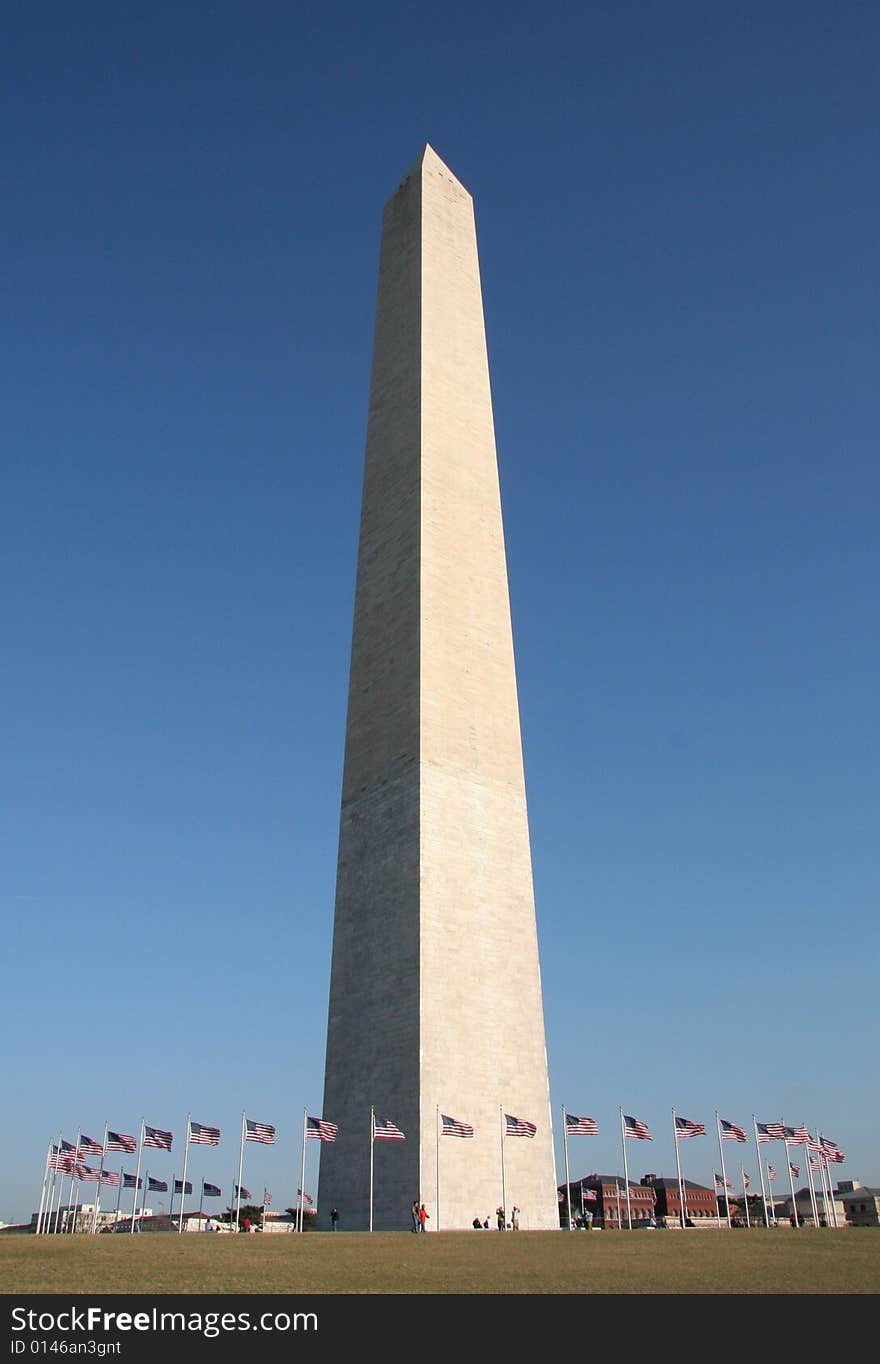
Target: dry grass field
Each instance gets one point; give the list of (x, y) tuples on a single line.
[(776, 1261)]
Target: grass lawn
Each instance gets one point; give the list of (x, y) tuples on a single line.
[(776, 1261)]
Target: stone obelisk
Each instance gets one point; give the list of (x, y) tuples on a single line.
[(435, 993)]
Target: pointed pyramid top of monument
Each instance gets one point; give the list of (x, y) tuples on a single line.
[(428, 160)]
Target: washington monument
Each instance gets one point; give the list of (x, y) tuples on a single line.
[(435, 993)]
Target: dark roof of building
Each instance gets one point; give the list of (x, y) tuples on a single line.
[(661, 1182), (595, 1181)]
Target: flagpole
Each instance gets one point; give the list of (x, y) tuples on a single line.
[(100, 1177), (761, 1172), (43, 1187), (791, 1184), (372, 1143), (119, 1196), (302, 1177), (745, 1197), (809, 1159), (567, 1175), (629, 1225), (682, 1217), (57, 1177), (437, 1139), (183, 1181), (834, 1211), (54, 1180), (145, 1188), (723, 1171), (136, 1174), (826, 1165), (240, 1163), (70, 1195), (503, 1189), (823, 1175)]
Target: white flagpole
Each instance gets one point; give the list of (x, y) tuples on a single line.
[(745, 1196), (183, 1181), (70, 1183), (136, 1176), (823, 1173), (173, 1191), (438, 1167), (808, 1157), (791, 1184), (629, 1225), (57, 1179), (302, 1177), (51, 1199), (682, 1217), (567, 1175), (119, 1196), (761, 1172), (826, 1166), (503, 1188), (240, 1163), (43, 1187), (74, 1188), (372, 1142), (100, 1176), (723, 1171)]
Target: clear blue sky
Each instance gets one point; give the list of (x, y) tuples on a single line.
[(677, 211)]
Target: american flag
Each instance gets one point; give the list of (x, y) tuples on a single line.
[(80, 1171), (731, 1132), (763, 1132), (267, 1197), (518, 1127), (111, 1178), (90, 1147), (307, 1199), (831, 1150), (68, 1149), (86, 1173), (795, 1170), (200, 1135), (61, 1162), (241, 1191), (385, 1130), (801, 1135), (771, 1173), (685, 1128), (746, 1182), (156, 1185), (154, 1136), (633, 1127), (210, 1190), (581, 1127), (815, 1162), (129, 1182), (588, 1195), (725, 1183), (775, 1130), (178, 1186), (320, 1130), (451, 1127), (117, 1141), (259, 1131)]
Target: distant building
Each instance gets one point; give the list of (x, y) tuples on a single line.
[(861, 1203), (700, 1203), (608, 1205)]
